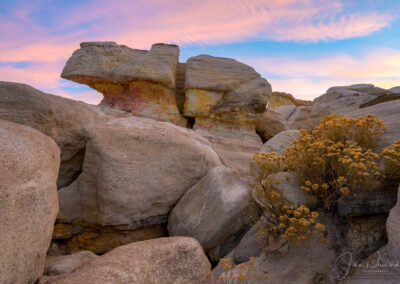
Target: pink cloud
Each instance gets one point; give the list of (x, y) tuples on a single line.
[(143, 22), (309, 78)]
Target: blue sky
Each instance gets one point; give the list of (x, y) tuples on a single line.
[(300, 46)]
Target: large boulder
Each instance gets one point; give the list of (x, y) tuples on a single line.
[(140, 81), (212, 210), (60, 118), (224, 96), (339, 100), (286, 111), (270, 123), (395, 90), (233, 153), (164, 260), (280, 142), (56, 265), (135, 170), (29, 162), (393, 229)]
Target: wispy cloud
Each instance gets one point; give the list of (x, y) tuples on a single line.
[(308, 78), (45, 33)]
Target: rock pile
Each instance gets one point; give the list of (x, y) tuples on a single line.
[(157, 179)]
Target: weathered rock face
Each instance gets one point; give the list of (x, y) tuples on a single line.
[(212, 210), (286, 111), (29, 162), (251, 245), (280, 142), (134, 172), (233, 153), (139, 81), (279, 99), (224, 96), (56, 265), (164, 260), (288, 184), (339, 100), (60, 118), (393, 227), (395, 90), (389, 113), (270, 123)]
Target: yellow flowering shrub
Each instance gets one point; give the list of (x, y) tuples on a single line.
[(336, 157), (293, 223), (391, 156)]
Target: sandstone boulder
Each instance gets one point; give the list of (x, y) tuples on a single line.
[(270, 123), (139, 81), (56, 265), (60, 118), (252, 244), (29, 162), (134, 172), (233, 153), (395, 90), (393, 229), (164, 260), (212, 210), (280, 142), (339, 100), (286, 111), (224, 96)]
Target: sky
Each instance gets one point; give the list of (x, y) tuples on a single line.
[(302, 47)]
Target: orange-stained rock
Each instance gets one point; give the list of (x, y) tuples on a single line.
[(142, 98), (101, 239), (224, 96), (139, 81), (279, 99)]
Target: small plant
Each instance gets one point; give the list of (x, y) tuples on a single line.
[(391, 157)]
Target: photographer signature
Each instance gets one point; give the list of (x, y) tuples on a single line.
[(345, 261)]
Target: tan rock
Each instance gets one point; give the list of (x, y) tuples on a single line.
[(233, 153), (164, 260), (279, 99), (56, 265), (134, 172), (270, 123), (339, 100), (212, 210), (73, 237), (29, 162), (224, 96), (60, 118), (139, 81), (280, 142)]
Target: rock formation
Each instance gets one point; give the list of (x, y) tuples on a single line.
[(279, 99), (224, 96), (164, 260), (134, 171), (60, 118), (339, 100), (29, 162), (217, 201), (139, 81)]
